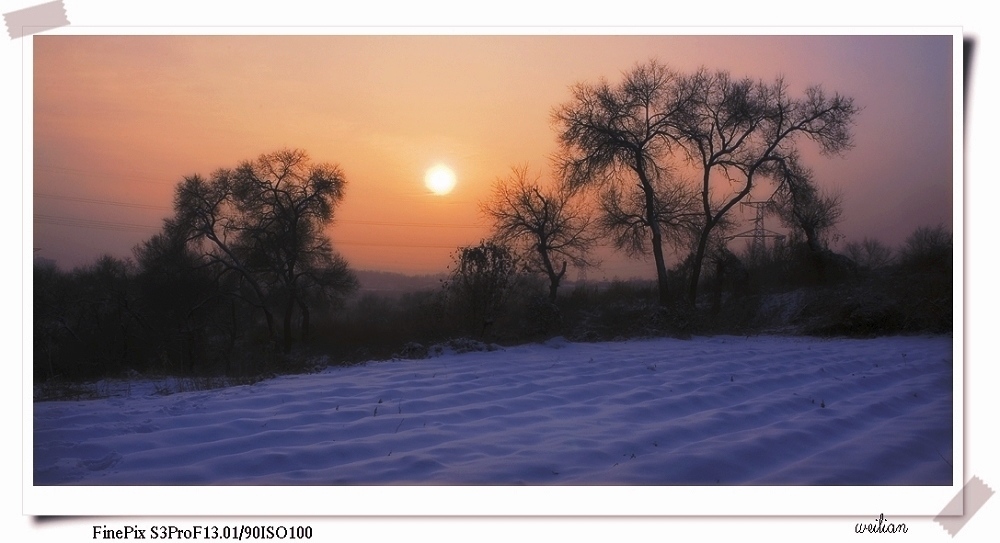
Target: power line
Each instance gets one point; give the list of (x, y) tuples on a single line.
[(89, 223), (409, 224), (74, 222), (164, 208), (77, 171), (99, 201), (402, 245), (121, 226)]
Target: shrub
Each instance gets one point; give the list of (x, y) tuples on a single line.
[(869, 254), (927, 248), (481, 283)]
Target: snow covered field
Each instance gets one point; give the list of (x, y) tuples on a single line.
[(708, 411)]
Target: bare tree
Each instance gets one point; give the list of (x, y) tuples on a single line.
[(927, 248), (618, 138), (740, 131), (264, 221), (550, 228), (870, 253), (801, 205), (627, 220)]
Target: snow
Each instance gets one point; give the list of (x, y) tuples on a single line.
[(706, 412)]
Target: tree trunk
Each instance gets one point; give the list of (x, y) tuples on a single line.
[(812, 239), (654, 228), (270, 322), (710, 223), (554, 278), (305, 320), (699, 258), (661, 267), (720, 275), (287, 340)]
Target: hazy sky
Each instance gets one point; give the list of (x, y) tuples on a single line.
[(119, 120)]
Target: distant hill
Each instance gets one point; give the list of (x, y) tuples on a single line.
[(396, 283)]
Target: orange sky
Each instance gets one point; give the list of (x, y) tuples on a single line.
[(119, 120)]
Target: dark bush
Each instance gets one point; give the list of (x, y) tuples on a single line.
[(927, 249)]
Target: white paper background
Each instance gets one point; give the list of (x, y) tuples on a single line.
[(980, 398)]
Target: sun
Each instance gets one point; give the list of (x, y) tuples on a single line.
[(440, 179)]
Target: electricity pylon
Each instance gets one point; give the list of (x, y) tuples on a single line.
[(759, 233)]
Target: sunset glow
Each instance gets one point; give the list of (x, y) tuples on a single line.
[(119, 121), (440, 180)]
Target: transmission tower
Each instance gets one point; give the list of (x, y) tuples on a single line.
[(759, 233)]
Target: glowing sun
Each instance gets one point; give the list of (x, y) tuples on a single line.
[(440, 179)]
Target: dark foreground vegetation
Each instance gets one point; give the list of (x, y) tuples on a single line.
[(118, 319), (783, 291)]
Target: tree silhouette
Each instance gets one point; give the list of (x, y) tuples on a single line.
[(547, 225), (179, 296), (481, 282), (739, 131), (627, 219), (263, 221), (618, 138), (927, 248), (801, 205), (85, 320), (870, 253)]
